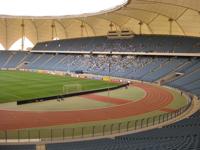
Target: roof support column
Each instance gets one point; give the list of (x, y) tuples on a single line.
[(6, 34), (140, 29), (52, 30), (170, 25), (82, 28), (23, 34), (111, 26)]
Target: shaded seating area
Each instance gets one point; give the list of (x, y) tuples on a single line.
[(139, 43)]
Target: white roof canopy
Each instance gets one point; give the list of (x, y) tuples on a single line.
[(175, 17)]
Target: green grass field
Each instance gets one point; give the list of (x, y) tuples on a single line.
[(77, 102), (16, 85), (132, 93)]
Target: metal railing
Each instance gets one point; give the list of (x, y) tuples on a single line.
[(55, 134)]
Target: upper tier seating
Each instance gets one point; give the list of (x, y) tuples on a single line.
[(144, 43)]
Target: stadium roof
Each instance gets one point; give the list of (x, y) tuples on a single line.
[(177, 17)]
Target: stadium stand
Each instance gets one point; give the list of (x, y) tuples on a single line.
[(146, 68), (145, 43), (183, 135)]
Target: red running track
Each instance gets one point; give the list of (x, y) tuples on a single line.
[(106, 99), (156, 98)]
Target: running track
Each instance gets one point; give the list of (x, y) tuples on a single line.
[(156, 99)]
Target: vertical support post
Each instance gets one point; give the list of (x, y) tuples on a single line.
[(136, 124), (178, 112), (82, 27), (148, 122), (29, 136), (142, 120), (167, 116), (120, 127), (175, 114), (51, 134), (111, 26), (170, 25), (23, 33), (6, 136), (140, 29), (154, 118), (163, 117), (63, 134), (93, 128), (171, 116), (82, 131), (159, 118), (72, 133), (39, 134), (111, 128), (52, 30), (104, 129), (6, 34), (127, 127), (18, 135)]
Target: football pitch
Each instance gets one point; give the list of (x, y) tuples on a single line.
[(17, 85)]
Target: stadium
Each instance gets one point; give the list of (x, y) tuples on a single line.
[(101, 75)]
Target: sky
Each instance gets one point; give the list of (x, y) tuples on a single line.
[(45, 8), (17, 45), (55, 8)]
